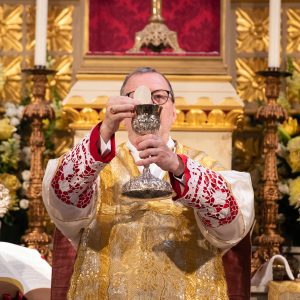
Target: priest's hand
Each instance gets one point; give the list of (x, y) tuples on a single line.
[(118, 108), (154, 150)]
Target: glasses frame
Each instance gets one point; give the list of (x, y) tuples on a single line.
[(170, 95)]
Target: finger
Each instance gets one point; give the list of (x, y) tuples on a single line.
[(146, 161), (122, 100), (147, 137), (149, 152), (117, 108), (122, 115), (150, 143)]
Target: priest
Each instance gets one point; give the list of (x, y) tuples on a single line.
[(169, 248)]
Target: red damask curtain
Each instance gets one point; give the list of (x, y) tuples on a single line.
[(113, 24)]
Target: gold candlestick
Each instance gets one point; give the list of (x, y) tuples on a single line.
[(38, 110), (269, 242)]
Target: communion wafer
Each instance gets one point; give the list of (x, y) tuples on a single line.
[(143, 95)]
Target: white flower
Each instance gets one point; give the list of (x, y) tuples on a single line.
[(4, 200), (25, 185), (20, 111), (25, 175), (282, 150), (3, 211), (9, 105), (24, 203), (26, 155), (283, 188), (16, 136), (11, 112), (14, 121)]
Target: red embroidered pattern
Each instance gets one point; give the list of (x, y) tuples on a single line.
[(209, 194), (75, 180)]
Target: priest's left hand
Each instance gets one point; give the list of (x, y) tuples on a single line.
[(154, 150)]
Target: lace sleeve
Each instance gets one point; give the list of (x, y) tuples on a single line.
[(208, 193), (75, 179)]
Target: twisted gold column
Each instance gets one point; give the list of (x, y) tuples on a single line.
[(38, 110), (269, 242)]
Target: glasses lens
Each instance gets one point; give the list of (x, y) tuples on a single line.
[(160, 97), (130, 94)]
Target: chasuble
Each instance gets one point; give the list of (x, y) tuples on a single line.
[(147, 249)]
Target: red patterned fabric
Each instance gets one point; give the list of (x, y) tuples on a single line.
[(62, 266), (113, 24), (208, 192), (237, 266)]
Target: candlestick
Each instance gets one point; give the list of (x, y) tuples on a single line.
[(270, 241), (274, 33), (36, 112), (41, 33)]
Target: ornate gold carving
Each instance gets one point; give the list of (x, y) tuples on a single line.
[(30, 27), (11, 27), (156, 35), (38, 110), (269, 242), (296, 65), (293, 30), (193, 117), (14, 24), (252, 29), (250, 87), (189, 117), (12, 78), (63, 77), (60, 28)]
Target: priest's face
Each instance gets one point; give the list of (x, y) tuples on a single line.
[(154, 82)]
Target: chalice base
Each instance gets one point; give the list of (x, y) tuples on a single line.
[(146, 186)]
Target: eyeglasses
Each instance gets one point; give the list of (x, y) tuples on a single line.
[(159, 97)]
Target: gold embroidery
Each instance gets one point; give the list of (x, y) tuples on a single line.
[(137, 249)]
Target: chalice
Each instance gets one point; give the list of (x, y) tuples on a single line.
[(146, 186)]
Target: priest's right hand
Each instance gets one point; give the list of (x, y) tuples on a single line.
[(118, 108)]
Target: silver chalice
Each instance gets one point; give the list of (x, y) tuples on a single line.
[(146, 186)]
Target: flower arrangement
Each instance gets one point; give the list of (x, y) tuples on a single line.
[(289, 180), (290, 154), (14, 161)]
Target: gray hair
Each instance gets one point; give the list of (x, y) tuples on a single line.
[(143, 70)]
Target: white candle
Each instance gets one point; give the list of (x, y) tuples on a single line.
[(274, 33), (41, 33)]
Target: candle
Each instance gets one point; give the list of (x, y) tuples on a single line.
[(274, 33), (41, 33)]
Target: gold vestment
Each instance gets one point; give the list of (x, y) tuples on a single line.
[(139, 249)]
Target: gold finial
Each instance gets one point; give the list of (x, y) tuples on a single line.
[(156, 12)]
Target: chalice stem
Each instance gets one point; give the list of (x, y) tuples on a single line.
[(146, 170)]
